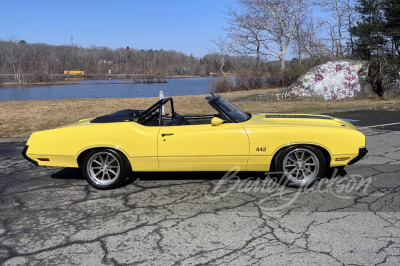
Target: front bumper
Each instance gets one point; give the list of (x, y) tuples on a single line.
[(24, 150), (361, 153)]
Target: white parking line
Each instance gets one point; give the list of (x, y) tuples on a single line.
[(391, 124)]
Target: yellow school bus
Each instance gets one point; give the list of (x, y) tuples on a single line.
[(74, 72)]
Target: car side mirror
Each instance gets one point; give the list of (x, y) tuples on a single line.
[(216, 121)]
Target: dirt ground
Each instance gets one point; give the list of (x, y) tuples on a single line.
[(21, 118)]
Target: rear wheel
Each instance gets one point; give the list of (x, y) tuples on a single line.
[(104, 168), (300, 165)]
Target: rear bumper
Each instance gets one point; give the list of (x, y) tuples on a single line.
[(361, 153), (24, 150)]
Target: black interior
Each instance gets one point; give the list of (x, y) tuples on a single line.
[(179, 120)]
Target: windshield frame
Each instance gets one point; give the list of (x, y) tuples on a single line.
[(227, 110)]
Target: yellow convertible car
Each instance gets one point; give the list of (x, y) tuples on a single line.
[(299, 146)]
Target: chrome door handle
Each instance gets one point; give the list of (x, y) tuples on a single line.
[(166, 134)]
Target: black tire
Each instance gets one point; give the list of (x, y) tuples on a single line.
[(104, 168), (300, 166)]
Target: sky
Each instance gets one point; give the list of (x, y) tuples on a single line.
[(187, 26)]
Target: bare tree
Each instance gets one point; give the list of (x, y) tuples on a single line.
[(266, 27), (350, 24), (309, 42), (38, 61), (338, 24), (222, 48), (245, 33), (14, 59)]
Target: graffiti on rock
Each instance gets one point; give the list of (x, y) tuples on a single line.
[(332, 81)]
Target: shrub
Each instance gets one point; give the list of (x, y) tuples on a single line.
[(246, 80), (37, 77), (222, 85)]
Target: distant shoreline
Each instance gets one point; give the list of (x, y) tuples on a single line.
[(123, 81), (133, 82), (16, 84)]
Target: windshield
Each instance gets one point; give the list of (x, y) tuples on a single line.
[(231, 111)]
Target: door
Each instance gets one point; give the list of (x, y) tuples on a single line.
[(202, 147)]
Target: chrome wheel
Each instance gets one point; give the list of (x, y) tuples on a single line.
[(301, 166), (103, 168)]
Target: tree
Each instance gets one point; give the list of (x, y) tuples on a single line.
[(14, 59), (391, 9), (265, 27), (350, 21), (338, 23), (222, 48), (310, 42), (369, 28), (25, 61), (245, 34)]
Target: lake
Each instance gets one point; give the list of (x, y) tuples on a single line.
[(100, 89)]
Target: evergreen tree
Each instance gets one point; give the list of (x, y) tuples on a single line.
[(369, 30), (391, 10)]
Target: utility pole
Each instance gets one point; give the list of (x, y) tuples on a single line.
[(72, 41)]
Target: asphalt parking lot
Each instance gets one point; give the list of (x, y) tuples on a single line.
[(52, 216)]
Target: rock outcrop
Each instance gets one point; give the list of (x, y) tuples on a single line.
[(384, 79), (330, 81)]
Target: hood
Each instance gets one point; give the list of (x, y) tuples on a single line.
[(298, 119)]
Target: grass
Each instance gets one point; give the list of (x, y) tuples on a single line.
[(21, 118)]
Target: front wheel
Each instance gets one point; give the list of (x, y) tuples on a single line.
[(300, 165), (104, 168)]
